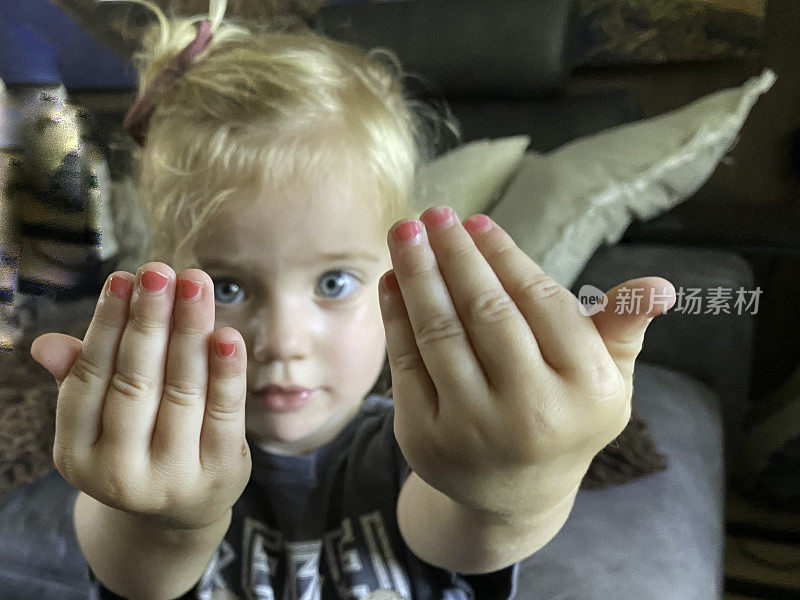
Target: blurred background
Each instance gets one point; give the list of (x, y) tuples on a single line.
[(642, 58)]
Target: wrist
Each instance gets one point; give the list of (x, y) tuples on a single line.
[(527, 514), (465, 539), (91, 515), (135, 557), (169, 535)]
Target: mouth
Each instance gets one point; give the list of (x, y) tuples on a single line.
[(283, 399), (281, 389)]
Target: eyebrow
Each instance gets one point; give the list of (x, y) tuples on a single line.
[(368, 256), (328, 256)]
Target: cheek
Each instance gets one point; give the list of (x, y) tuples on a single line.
[(359, 343)]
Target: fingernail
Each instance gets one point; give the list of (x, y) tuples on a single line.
[(441, 216), (188, 289), (390, 283), (225, 348), (153, 281), (477, 223), (408, 233), (120, 287)]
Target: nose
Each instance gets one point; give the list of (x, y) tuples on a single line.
[(282, 331)]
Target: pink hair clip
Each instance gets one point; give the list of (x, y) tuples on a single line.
[(138, 117)]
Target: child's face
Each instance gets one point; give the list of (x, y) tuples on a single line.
[(307, 319)]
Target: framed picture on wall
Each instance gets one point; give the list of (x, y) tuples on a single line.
[(661, 31)]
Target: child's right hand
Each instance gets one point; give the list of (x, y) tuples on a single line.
[(150, 419)]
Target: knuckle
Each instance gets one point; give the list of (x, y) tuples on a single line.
[(140, 322), (122, 481), (504, 248), (218, 484), (423, 267), (183, 393), (121, 490), (456, 251), (439, 329), (603, 380), (492, 306), (547, 423), (131, 384), (406, 363), (104, 324), (174, 476), (226, 412), (538, 429), (224, 375), (86, 372), (541, 285), (181, 327)]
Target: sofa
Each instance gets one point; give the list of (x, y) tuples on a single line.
[(504, 66)]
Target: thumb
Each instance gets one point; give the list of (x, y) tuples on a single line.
[(631, 307), (56, 352)]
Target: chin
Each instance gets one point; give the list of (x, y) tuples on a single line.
[(285, 428)]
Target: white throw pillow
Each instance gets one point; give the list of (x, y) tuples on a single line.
[(470, 177), (561, 206)]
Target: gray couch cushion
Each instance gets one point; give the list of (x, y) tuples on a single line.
[(660, 537), (39, 554)]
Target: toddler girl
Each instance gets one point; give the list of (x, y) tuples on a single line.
[(219, 418)]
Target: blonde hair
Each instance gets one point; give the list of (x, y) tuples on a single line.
[(265, 104)]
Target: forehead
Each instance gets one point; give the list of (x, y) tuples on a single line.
[(304, 218)]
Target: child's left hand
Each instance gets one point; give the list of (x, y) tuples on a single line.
[(503, 390)]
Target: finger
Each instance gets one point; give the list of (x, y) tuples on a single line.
[(183, 403), (498, 333), (630, 309), (222, 439), (83, 389), (567, 340), (418, 398), (438, 331), (137, 383), (56, 352)]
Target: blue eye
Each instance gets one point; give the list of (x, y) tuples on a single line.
[(332, 285), (333, 281), (225, 290)]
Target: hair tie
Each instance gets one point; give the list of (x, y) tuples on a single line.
[(138, 117)]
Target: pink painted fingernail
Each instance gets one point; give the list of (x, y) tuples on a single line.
[(225, 348), (390, 282), (153, 281), (188, 289), (408, 233), (441, 216), (477, 223), (120, 287)]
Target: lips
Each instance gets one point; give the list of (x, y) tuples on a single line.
[(284, 399), (279, 389)]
